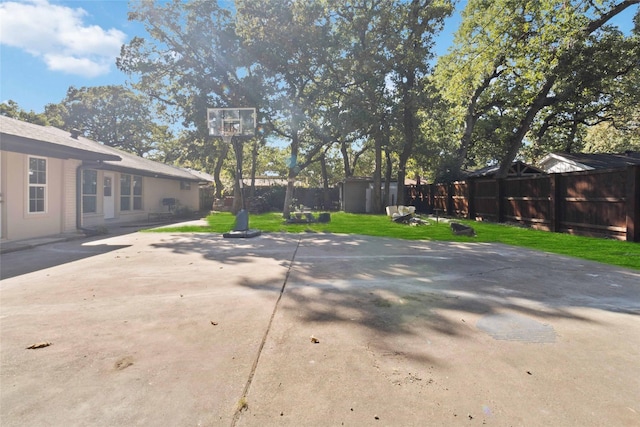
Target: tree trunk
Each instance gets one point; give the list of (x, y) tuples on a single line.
[(238, 192), (515, 142), (326, 197), (348, 172), (254, 167), (218, 168), (471, 117), (292, 174), (387, 180), (377, 174)]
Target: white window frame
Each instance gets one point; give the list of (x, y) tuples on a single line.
[(132, 196), (94, 195), (31, 185)]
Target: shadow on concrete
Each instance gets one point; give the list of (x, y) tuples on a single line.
[(14, 264), (400, 288)]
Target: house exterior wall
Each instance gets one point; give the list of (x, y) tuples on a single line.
[(154, 190), (17, 221), (60, 215), (69, 194)]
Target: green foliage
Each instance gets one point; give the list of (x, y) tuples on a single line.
[(605, 138), (11, 109), (536, 71), (112, 115)]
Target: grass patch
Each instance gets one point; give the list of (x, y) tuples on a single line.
[(614, 252)]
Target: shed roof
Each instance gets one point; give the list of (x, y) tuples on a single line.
[(597, 160), (518, 168)]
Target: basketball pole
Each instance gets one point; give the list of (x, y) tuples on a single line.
[(237, 146), (228, 124)]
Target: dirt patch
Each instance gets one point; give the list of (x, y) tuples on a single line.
[(123, 363)]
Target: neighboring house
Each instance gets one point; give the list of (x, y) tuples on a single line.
[(53, 181), (564, 162), (518, 168)]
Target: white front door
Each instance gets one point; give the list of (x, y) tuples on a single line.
[(108, 198)]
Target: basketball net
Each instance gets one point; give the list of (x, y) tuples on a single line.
[(227, 136)]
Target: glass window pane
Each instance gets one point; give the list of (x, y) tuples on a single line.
[(125, 185), (36, 198), (89, 204), (137, 203), (137, 185), (125, 203), (37, 171), (89, 182)]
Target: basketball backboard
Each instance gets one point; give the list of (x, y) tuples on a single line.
[(230, 122)]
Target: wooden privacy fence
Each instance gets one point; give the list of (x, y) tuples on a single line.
[(597, 203)]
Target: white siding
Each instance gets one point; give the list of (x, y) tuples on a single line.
[(69, 195)]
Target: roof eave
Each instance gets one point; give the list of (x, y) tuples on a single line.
[(19, 144)]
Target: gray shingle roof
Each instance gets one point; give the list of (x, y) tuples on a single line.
[(30, 138), (23, 137), (132, 163), (518, 168), (603, 161)]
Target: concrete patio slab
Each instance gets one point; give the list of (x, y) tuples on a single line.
[(194, 329)]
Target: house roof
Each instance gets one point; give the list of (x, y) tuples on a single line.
[(407, 181), (29, 138), (597, 160), (203, 176), (518, 168), (139, 165)]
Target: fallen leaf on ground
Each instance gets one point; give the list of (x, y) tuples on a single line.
[(314, 340), (39, 345)]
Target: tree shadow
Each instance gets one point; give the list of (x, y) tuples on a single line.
[(401, 290)]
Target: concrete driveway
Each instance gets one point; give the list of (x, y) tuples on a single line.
[(192, 329)]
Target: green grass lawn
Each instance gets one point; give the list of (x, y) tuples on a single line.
[(607, 251)]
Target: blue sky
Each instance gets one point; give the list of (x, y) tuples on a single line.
[(49, 45)]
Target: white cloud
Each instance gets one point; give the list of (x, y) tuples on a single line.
[(83, 66), (58, 35)]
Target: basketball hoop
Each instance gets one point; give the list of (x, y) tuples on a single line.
[(227, 137), (226, 123), (234, 126)]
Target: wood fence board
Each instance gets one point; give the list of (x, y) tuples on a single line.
[(600, 202)]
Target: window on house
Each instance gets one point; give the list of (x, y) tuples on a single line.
[(130, 192), (185, 185), (37, 184), (137, 192), (125, 192), (89, 191)]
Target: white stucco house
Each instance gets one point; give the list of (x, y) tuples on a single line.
[(565, 162), (53, 181)]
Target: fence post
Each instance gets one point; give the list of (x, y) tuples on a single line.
[(430, 204), (471, 202), (450, 199), (500, 188), (554, 202), (633, 203)]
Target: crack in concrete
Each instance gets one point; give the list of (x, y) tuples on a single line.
[(244, 406)]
